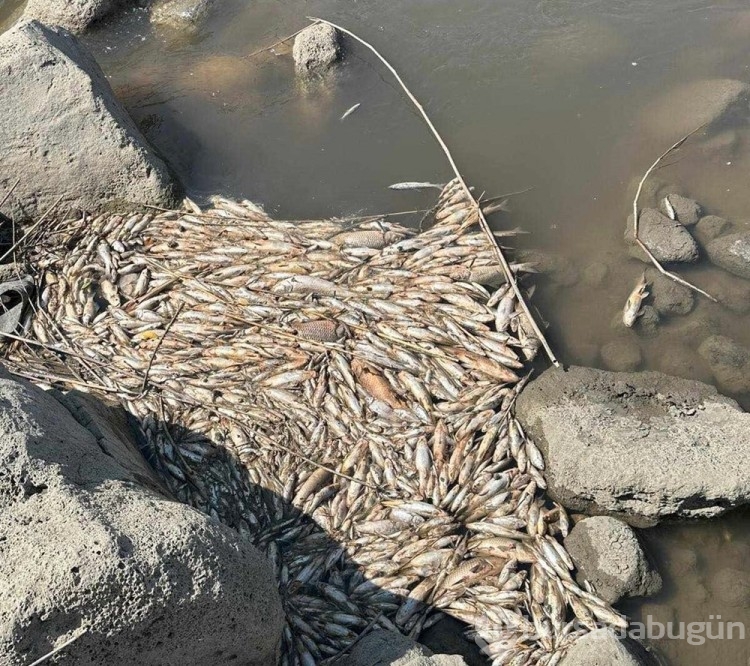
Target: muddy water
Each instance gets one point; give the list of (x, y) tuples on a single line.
[(552, 95)]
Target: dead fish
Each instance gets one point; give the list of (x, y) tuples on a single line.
[(632, 309), (350, 111), (409, 185), (671, 213)]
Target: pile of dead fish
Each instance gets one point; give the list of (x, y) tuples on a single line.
[(340, 392)]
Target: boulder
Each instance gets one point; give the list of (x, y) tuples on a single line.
[(73, 15), (621, 354), (316, 48), (729, 362), (731, 587), (731, 291), (180, 14), (65, 134), (387, 648), (647, 323), (686, 106), (710, 227), (605, 648), (607, 554), (732, 253), (669, 297), (687, 211), (668, 240), (642, 446), (90, 540)]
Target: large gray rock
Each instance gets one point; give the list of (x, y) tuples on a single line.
[(604, 648), (731, 291), (668, 240), (180, 14), (683, 108), (732, 253), (710, 227), (316, 48), (643, 446), (387, 648), (64, 133), (687, 211), (668, 296), (608, 555), (90, 540), (729, 362), (74, 15)]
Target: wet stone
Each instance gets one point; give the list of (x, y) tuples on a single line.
[(668, 240), (710, 227), (180, 14), (732, 587), (687, 211), (680, 360), (647, 323), (729, 362), (316, 48), (732, 253), (621, 355), (668, 296), (732, 292), (560, 270)]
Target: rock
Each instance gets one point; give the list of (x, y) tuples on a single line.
[(560, 270), (64, 132), (680, 360), (608, 555), (89, 539), (595, 274), (668, 296), (696, 328), (731, 587), (643, 446), (732, 292), (603, 647), (647, 323), (73, 15), (621, 354), (732, 253), (668, 240), (384, 648), (683, 562), (180, 14), (687, 211), (683, 108), (729, 363), (316, 48), (710, 227)]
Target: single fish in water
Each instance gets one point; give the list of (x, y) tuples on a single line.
[(350, 111), (632, 309), (408, 185), (670, 209)]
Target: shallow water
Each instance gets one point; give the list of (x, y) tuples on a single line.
[(549, 95)]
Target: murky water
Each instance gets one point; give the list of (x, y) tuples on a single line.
[(555, 95)]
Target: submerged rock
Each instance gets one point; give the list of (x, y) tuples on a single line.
[(595, 274), (681, 360), (669, 297), (647, 323), (621, 354), (73, 15), (180, 14), (387, 648), (608, 555), (683, 108), (644, 446), (316, 48), (65, 134), (710, 227), (91, 540), (668, 240), (559, 269), (729, 363), (604, 648), (731, 587), (732, 253), (731, 291), (687, 211)]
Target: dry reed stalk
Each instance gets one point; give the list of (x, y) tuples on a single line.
[(58, 649), (509, 275)]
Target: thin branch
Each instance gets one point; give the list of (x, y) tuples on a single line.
[(144, 386), (637, 238), (281, 41), (34, 226), (60, 648), (9, 192), (509, 275)]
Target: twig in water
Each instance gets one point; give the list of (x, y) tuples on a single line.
[(144, 386), (281, 41), (49, 655), (636, 237), (509, 275)]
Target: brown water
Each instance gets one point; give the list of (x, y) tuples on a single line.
[(547, 94)]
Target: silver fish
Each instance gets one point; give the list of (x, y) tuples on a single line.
[(413, 185), (351, 110), (632, 309)]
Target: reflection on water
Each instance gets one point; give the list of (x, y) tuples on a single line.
[(549, 94)]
